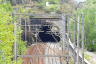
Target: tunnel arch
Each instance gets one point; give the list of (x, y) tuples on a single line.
[(48, 36), (42, 26)]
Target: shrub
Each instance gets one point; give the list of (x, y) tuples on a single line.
[(91, 47), (58, 12)]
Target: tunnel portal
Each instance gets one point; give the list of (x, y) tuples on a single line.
[(48, 36), (40, 24)]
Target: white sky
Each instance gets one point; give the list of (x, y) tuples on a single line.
[(80, 0)]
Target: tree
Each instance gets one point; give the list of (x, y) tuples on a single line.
[(89, 22), (7, 35), (6, 32)]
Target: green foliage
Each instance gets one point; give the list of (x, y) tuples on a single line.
[(66, 8), (7, 35), (43, 2), (71, 26), (87, 57), (48, 9), (6, 32), (89, 23), (71, 62), (53, 1), (21, 46), (91, 47), (20, 10), (40, 3), (40, 7)]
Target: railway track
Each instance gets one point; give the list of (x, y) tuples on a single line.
[(43, 49), (52, 51)]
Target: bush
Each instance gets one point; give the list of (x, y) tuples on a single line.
[(7, 36), (41, 7), (91, 47), (20, 10), (58, 12), (48, 11)]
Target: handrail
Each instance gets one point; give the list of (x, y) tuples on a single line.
[(80, 56)]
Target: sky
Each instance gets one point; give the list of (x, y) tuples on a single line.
[(80, 0)]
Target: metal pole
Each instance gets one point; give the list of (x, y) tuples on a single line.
[(52, 60), (15, 42), (25, 27), (74, 37), (62, 45), (38, 60), (29, 30), (82, 38), (20, 29), (78, 40), (36, 34), (64, 34), (68, 39), (12, 16), (20, 25)]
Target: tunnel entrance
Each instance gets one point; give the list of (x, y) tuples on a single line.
[(47, 35), (32, 30)]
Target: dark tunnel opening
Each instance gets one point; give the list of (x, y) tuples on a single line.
[(48, 36)]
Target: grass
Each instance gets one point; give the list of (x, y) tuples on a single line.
[(71, 62), (39, 8), (87, 57), (60, 43), (94, 52)]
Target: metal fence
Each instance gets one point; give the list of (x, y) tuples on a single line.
[(71, 51), (66, 44), (32, 26)]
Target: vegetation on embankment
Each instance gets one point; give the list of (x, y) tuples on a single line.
[(7, 35), (89, 10), (56, 7), (7, 27)]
